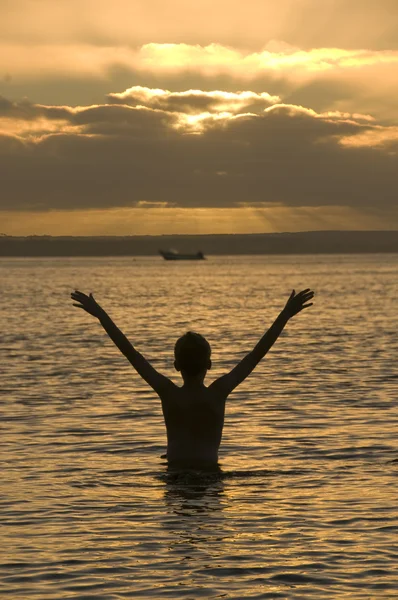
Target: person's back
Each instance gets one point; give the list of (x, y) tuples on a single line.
[(194, 418), (194, 413)]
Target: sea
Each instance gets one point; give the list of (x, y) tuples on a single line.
[(305, 505)]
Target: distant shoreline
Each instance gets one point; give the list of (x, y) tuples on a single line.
[(310, 242)]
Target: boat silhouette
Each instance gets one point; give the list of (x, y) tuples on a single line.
[(175, 255)]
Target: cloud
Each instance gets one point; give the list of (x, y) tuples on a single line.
[(384, 137), (211, 60), (118, 155), (215, 59), (194, 128), (353, 80), (195, 101), (303, 23)]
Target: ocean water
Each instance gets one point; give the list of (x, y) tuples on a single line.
[(306, 507)]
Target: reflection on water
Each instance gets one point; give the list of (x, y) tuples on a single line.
[(189, 493), (194, 520), (305, 503)]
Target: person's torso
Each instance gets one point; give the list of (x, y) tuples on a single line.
[(194, 422)]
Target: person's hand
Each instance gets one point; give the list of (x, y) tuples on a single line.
[(297, 302), (87, 303)]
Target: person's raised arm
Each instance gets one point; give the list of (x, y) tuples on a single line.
[(156, 380), (295, 304)]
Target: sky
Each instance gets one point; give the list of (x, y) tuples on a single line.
[(153, 117)]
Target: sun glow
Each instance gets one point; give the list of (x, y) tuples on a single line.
[(150, 218)]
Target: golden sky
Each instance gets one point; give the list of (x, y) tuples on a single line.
[(130, 117)]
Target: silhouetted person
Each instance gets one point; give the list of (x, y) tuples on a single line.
[(194, 413)]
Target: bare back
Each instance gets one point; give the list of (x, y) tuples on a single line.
[(194, 418)]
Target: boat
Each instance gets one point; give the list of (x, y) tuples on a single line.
[(174, 255)]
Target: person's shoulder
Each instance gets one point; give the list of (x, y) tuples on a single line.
[(216, 394), (218, 387), (170, 391)]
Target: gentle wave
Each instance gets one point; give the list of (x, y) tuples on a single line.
[(304, 502)]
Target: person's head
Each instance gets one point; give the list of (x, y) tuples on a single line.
[(192, 354)]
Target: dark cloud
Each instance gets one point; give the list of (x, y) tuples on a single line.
[(28, 111), (115, 155), (106, 119)]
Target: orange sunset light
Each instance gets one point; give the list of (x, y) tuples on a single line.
[(212, 112)]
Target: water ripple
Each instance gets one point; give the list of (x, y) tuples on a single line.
[(304, 505)]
